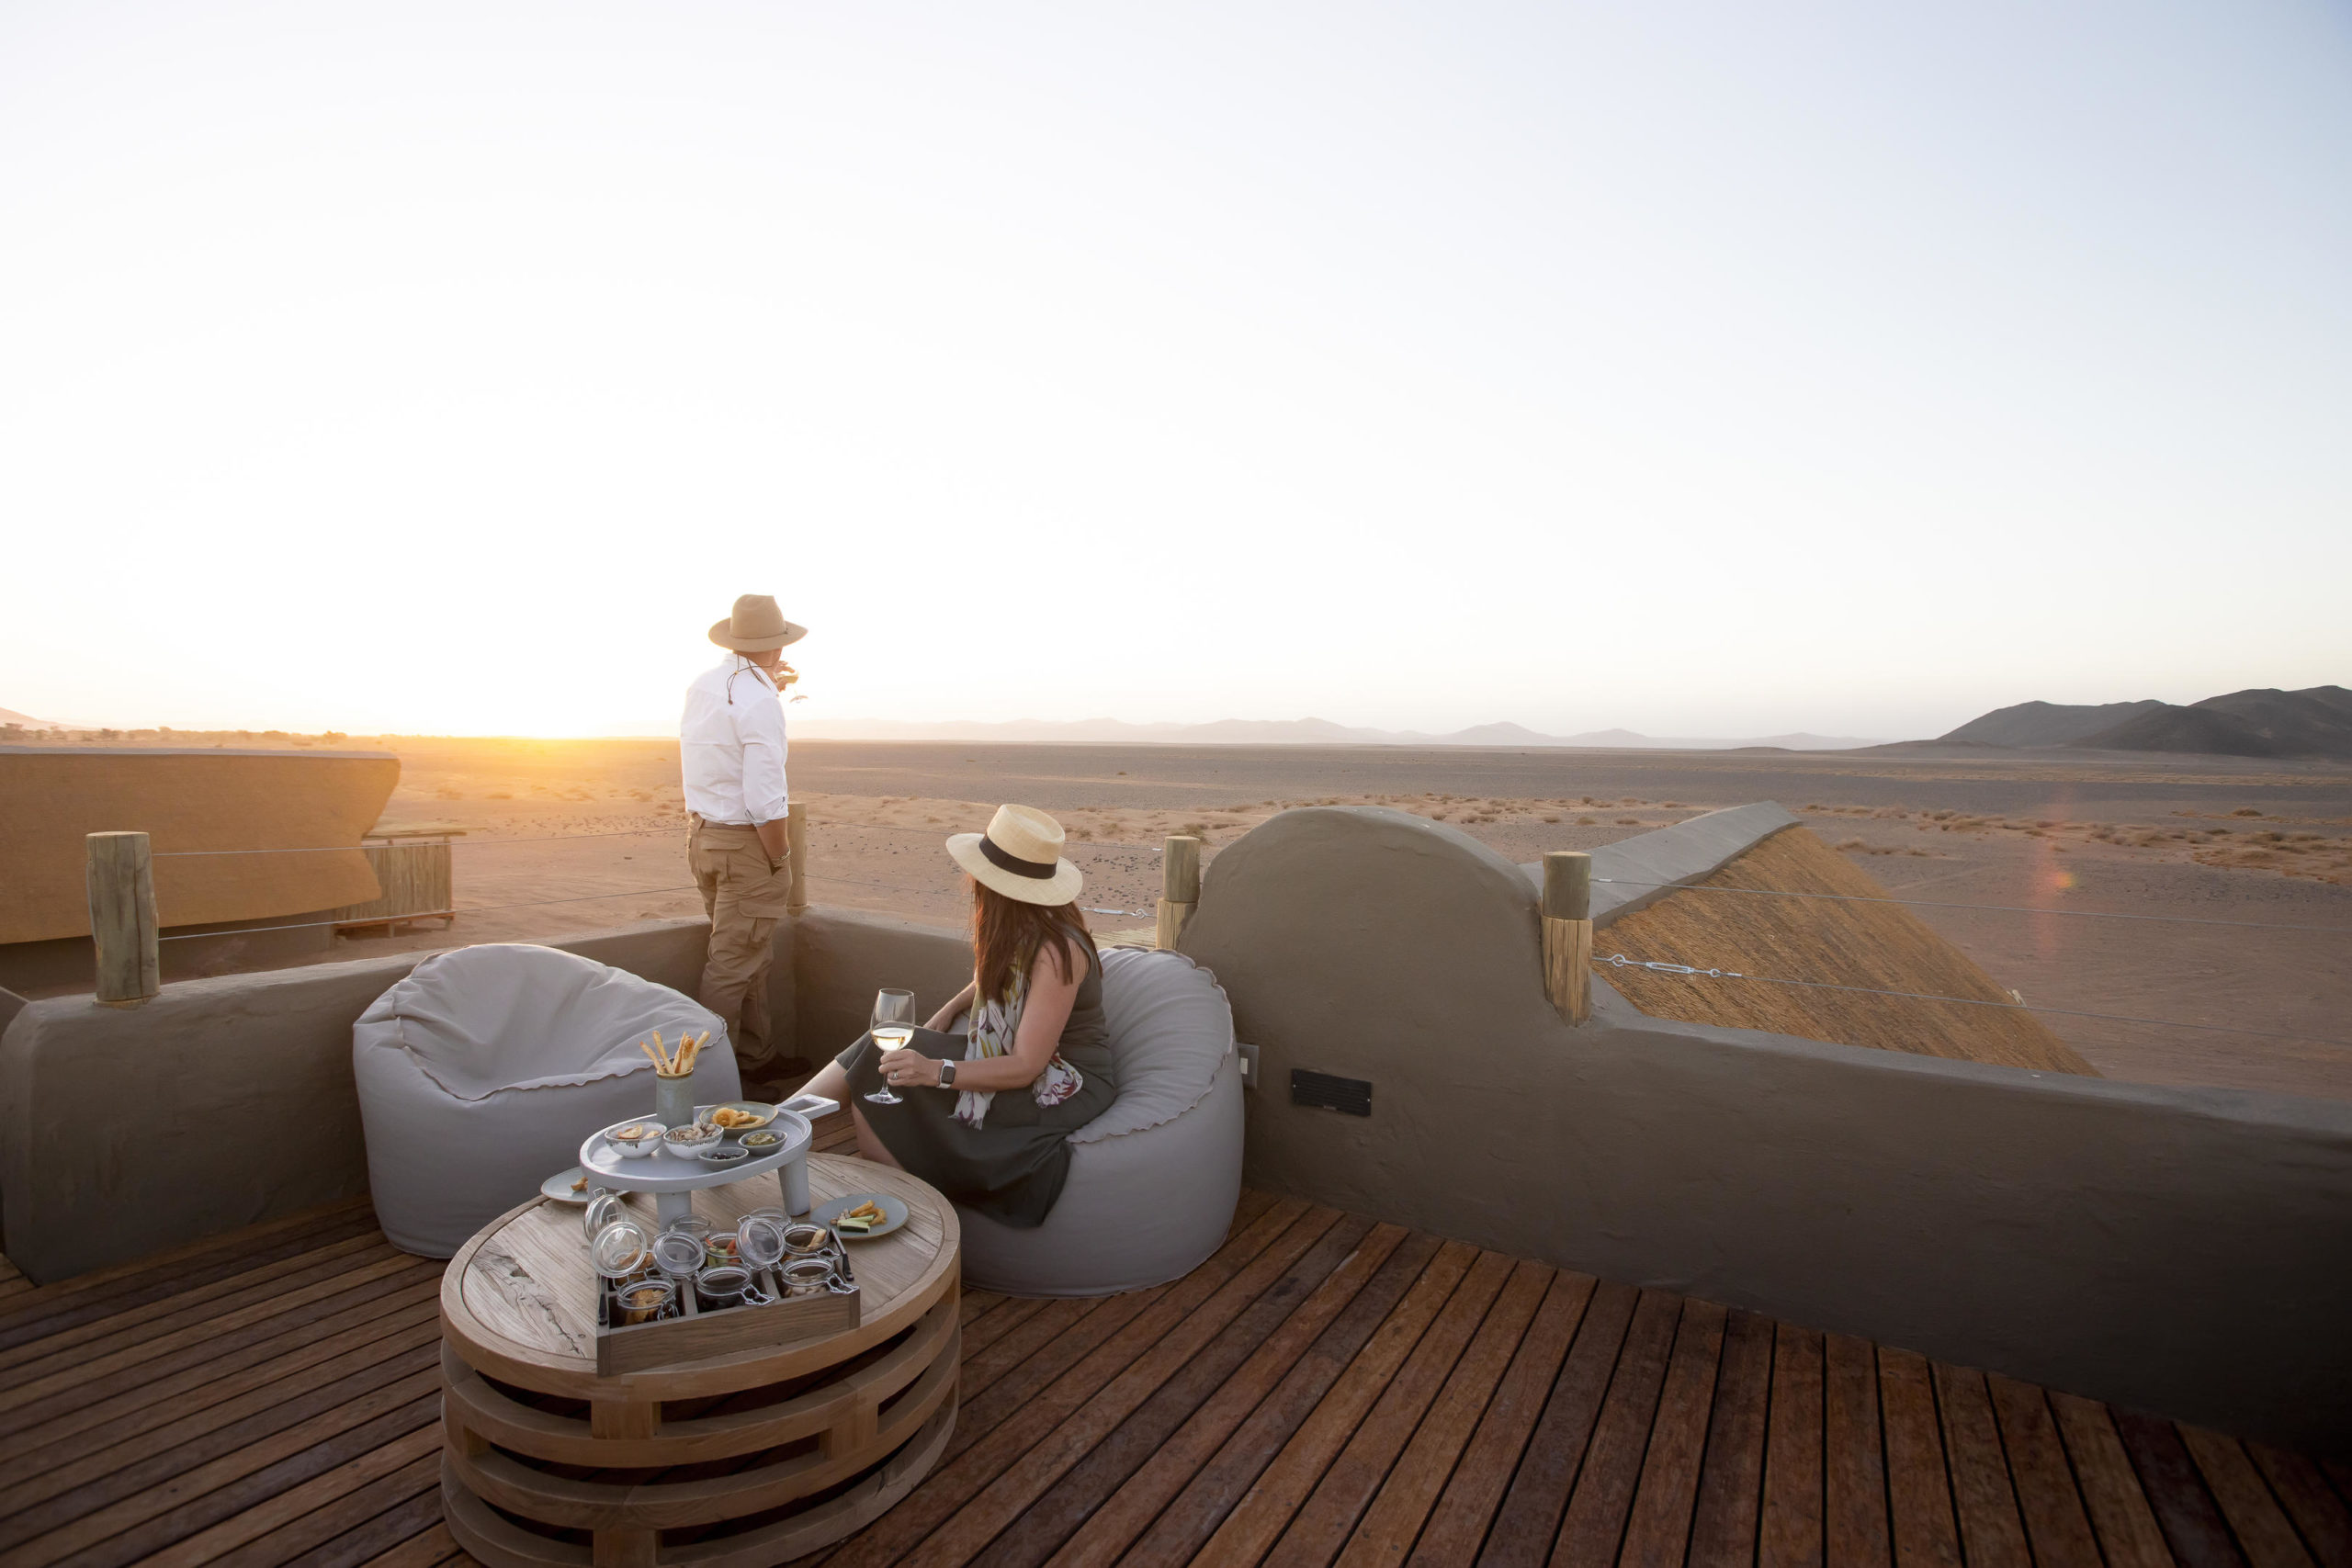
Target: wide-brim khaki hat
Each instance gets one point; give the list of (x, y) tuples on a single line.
[(756, 626), (1019, 856)]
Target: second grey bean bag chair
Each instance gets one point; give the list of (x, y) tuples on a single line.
[(1153, 1179), (481, 1074)]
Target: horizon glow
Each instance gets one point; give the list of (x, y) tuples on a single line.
[(1694, 369)]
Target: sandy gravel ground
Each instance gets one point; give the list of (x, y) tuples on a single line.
[(2261, 843)]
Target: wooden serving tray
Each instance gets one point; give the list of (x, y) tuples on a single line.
[(698, 1335)]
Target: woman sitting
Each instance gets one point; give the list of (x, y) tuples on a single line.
[(985, 1118)]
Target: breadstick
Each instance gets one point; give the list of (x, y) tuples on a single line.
[(658, 1063)]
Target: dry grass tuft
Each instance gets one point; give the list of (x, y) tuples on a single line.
[(1880, 946)]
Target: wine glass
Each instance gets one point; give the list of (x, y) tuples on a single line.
[(894, 1025)]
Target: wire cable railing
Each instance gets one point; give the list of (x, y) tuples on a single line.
[(2005, 908), (1619, 961)]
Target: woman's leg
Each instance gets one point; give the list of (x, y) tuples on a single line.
[(869, 1145), (830, 1082)]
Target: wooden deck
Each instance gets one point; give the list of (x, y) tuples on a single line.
[(1325, 1389)]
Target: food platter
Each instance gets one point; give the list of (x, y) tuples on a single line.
[(894, 1214), (556, 1189), (673, 1178)]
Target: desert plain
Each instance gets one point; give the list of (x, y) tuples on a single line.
[(2238, 871)]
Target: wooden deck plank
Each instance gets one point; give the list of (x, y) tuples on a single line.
[(96, 1330), (1604, 1496), (138, 1528), (1731, 1475), (2057, 1526), (227, 1425), (1528, 1520), (1045, 1403), (2264, 1534), (2126, 1526), (1319, 1530), (1789, 1535), (1990, 1531), (980, 1521), (1918, 1485), (2321, 1517), (71, 1380), (365, 1509), (428, 1549), (1326, 1389), (332, 1326), (1172, 1466), (1047, 1524), (126, 1283), (1258, 1519), (2185, 1510), (412, 1524), (1853, 1472), (1659, 1533), (1458, 1521), (1422, 1475), (1190, 1519)]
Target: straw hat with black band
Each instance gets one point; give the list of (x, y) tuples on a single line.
[(756, 626), (1019, 856)]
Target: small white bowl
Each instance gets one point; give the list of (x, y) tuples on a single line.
[(638, 1147), (683, 1148)]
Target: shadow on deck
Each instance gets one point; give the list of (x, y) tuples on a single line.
[(1326, 1389)]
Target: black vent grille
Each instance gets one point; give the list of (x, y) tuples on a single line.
[(1329, 1093)]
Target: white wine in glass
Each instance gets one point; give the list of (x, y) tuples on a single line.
[(894, 1025)]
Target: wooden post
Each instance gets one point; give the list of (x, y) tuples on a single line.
[(1567, 932), (1180, 887), (121, 881), (796, 838)]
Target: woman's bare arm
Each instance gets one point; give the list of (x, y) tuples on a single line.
[(1043, 1014)]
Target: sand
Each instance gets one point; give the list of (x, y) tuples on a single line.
[(2216, 839)]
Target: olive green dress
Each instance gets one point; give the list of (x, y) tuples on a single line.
[(1011, 1166)]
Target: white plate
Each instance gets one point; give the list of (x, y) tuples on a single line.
[(559, 1187), (894, 1214)]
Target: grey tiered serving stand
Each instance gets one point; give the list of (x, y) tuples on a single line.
[(673, 1181)]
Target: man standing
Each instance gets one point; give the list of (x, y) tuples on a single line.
[(732, 749)]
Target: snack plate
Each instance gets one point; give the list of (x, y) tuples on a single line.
[(557, 1188), (894, 1214), (758, 1107)]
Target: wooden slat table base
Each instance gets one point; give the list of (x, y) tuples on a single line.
[(763, 1452)]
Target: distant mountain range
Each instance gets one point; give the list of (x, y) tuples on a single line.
[(2261, 721), (1283, 732)]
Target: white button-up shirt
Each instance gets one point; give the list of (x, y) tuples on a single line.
[(731, 745)]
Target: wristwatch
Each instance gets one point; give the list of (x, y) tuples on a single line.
[(946, 1075)]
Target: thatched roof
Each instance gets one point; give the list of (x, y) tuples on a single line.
[(1880, 946)]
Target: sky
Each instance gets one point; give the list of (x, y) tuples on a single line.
[(1701, 368)]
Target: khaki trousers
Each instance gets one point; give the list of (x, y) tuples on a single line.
[(744, 892)]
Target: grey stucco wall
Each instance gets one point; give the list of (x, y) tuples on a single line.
[(225, 1101), (843, 956), (2186, 1251)]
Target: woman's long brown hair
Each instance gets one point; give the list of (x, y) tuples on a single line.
[(1007, 934)]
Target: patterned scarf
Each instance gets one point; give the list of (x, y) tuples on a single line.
[(993, 1025)]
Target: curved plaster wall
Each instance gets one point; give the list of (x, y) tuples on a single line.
[(2188, 1251)]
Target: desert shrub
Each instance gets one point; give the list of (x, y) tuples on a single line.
[(1551, 820), (1587, 821), (2246, 811), (499, 795), (1628, 821)]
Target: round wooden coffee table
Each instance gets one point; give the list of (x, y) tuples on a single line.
[(734, 1461)]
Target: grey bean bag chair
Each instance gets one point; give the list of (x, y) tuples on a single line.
[(481, 1072), (1153, 1181)]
